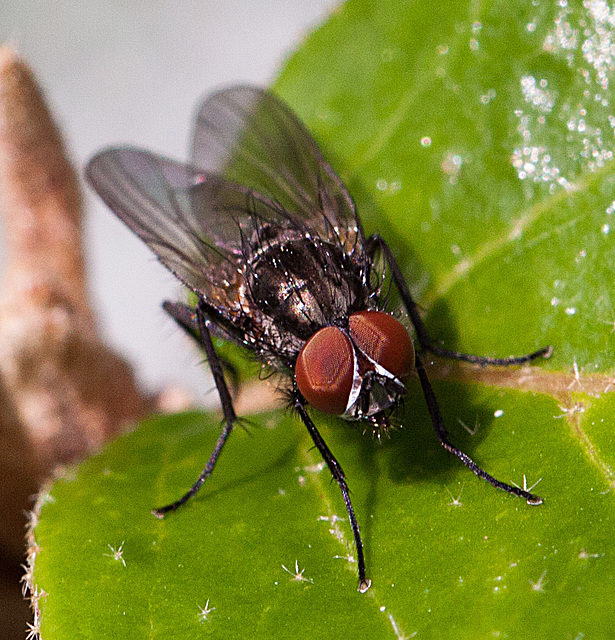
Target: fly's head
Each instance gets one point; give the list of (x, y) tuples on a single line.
[(357, 372)]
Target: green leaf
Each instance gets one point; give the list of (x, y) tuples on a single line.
[(477, 139)]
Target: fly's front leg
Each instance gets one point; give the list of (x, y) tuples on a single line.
[(227, 408), (424, 340), (338, 475), (443, 438), (426, 344)]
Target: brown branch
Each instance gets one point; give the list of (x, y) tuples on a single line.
[(63, 393)]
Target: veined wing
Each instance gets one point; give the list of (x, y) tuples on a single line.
[(180, 213), (250, 137)]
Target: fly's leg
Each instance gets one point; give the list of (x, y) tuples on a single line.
[(426, 344), (423, 337), (443, 437), (340, 478), (187, 318), (227, 408)]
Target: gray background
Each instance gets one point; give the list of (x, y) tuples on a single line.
[(132, 72)]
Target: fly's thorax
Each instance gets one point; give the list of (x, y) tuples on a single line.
[(302, 283), (357, 371)]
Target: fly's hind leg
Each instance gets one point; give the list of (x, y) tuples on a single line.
[(187, 318), (228, 410)]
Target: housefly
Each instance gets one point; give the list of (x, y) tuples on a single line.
[(264, 232)]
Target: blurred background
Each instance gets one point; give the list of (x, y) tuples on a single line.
[(133, 72)]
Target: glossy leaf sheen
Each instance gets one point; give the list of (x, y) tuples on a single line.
[(438, 117)]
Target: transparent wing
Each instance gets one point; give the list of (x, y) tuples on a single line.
[(195, 223), (250, 137)]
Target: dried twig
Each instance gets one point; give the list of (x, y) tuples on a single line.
[(62, 391)]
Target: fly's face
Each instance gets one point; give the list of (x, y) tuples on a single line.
[(356, 371)]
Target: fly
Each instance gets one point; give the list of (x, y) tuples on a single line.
[(281, 267)]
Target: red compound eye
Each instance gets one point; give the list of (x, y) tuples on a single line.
[(325, 370), (385, 340)]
